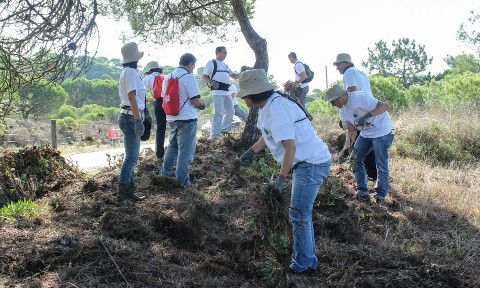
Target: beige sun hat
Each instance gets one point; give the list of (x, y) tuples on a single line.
[(335, 92), (151, 65), (130, 53), (253, 82), (343, 57)]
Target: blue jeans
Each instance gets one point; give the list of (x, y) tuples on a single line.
[(161, 119), (183, 136), (221, 123), (132, 148), (306, 180), (380, 146)]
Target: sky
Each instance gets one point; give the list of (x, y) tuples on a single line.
[(317, 31)]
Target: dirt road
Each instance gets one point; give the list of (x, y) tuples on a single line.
[(93, 160)]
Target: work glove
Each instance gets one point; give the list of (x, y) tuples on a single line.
[(247, 158), (139, 128), (214, 84), (344, 155), (278, 183), (361, 120)]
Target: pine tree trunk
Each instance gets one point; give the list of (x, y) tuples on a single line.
[(259, 46)]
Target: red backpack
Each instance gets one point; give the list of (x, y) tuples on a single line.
[(157, 86), (171, 100)]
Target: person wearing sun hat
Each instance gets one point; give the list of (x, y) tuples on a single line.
[(152, 70), (292, 141), (132, 96), (369, 115)]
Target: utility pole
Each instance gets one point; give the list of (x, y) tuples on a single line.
[(326, 78)]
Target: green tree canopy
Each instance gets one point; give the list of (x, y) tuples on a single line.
[(78, 89), (105, 93), (469, 34), (405, 61), (462, 63), (40, 99)]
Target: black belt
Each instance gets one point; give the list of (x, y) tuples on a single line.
[(296, 165), (186, 121), (126, 107)]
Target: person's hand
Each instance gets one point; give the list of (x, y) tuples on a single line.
[(278, 183), (246, 158), (139, 128), (214, 84), (344, 155), (201, 107), (361, 120)]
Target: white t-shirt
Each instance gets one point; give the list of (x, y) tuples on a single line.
[(299, 68), (149, 79), (187, 90), (130, 80), (278, 120), (222, 75), (354, 77), (360, 103), (232, 89)]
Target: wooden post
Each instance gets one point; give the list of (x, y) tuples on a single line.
[(53, 130), (326, 78)]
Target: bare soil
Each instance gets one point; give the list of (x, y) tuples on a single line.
[(227, 230)]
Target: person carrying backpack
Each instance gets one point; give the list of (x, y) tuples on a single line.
[(181, 100), (217, 75), (303, 75), (153, 83)]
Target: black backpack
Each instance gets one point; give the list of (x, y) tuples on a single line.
[(308, 71), (294, 100)]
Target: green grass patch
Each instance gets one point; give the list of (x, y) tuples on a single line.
[(13, 210)]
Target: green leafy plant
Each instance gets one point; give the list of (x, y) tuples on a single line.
[(24, 207)]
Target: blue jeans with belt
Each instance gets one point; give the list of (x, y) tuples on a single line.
[(380, 146), (183, 136), (306, 180), (131, 141)]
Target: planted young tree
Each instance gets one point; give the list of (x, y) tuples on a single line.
[(39, 99), (405, 61), (180, 21), (40, 40), (78, 89)]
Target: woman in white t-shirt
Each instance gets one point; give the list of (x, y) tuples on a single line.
[(290, 137), (132, 96)]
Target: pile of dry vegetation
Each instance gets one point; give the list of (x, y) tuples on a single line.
[(228, 231)]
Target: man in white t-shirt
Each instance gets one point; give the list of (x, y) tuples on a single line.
[(300, 76), (363, 112), (217, 75), (354, 80), (292, 141), (239, 112), (183, 126)]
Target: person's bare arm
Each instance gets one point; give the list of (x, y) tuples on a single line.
[(197, 102), (133, 104), (380, 108), (352, 88), (259, 145), (288, 156), (303, 76), (351, 136), (206, 78)]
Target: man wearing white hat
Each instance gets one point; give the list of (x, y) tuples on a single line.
[(292, 141), (363, 112), (132, 96), (153, 69)]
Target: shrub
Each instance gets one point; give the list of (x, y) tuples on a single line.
[(67, 111), (67, 121), (390, 91), (93, 116), (441, 143), (91, 108), (111, 114), (84, 121), (322, 107)]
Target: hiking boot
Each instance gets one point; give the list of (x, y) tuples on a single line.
[(364, 198), (126, 192), (380, 202)]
